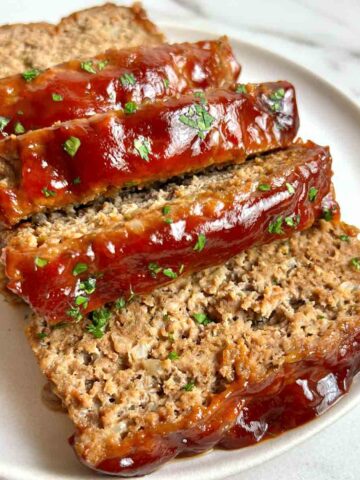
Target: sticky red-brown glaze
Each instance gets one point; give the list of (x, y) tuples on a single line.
[(159, 71), (243, 415), (111, 153), (232, 218)]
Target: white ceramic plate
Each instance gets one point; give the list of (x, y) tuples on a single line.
[(33, 439)]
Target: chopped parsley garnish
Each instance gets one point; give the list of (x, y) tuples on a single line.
[(201, 96), (88, 286), (127, 79), (41, 335), (169, 272), (154, 269), (102, 64), (79, 268), (166, 209), (240, 88), (130, 107), (48, 193), (173, 356), (276, 99), (198, 118), (99, 321), (168, 220), (276, 226), (264, 187), (201, 318), (327, 214), (166, 82), (189, 387), (29, 75), (74, 313), (88, 66), (81, 301), (200, 243), (344, 238), (19, 128), (355, 262), (120, 303), (143, 147), (292, 221), (72, 145), (57, 97), (3, 122), (40, 262), (313, 193), (76, 181), (290, 188)]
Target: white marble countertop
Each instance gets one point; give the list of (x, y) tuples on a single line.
[(324, 36)]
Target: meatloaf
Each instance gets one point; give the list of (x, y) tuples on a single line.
[(67, 265), (116, 79), (270, 338), (77, 160)]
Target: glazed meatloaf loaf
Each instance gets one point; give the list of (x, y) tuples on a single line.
[(116, 79), (77, 160), (270, 338), (65, 265), (83, 34)]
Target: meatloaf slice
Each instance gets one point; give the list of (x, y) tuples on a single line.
[(67, 265), (172, 371)]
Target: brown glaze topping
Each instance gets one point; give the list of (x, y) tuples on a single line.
[(78, 160), (244, 414), (147, 251), (76, 89)]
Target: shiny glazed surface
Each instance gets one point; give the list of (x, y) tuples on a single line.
[(97, 85), (160, 140), (244, 414), (119, 258)]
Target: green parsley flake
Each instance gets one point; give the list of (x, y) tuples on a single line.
[(327, 214), (3, 122), (127, 79), (199, 119), (88, 286), (120, 303), (201, 318), (99, 321), (166, 82), (57, 97), (30, 75), (48, 193), (143, 147), (88, 66), (173, 356), (290, 188), (168, 220), (154, 269), (292, 221), (169, 272), (166, 209), (76, 181), (41, 335), (313, 193), (74, 313), (264, 187), (79, 268), (41, 262), (72, 145), (240, 88), (355, 262), (189, 387), (344, 238), (130, 107), (81, 301), (19, 128), (201, 96), (276, 99), (102, 64), (276, 226), (200, 243)]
